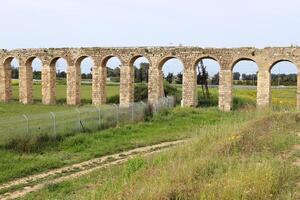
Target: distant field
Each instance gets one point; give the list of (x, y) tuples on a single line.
[(15, 107), (282, 96), (61, 92)]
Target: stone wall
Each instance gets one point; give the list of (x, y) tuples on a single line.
[(157, 56)]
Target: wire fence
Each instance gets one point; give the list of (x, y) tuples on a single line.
[(82, 119)]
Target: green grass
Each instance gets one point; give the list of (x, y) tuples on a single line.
[(15, 108), (237, 156), (61, 92), (167, 126), (280, 97), (84, 146)]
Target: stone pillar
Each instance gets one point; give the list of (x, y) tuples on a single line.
[(225, 90), (189, 87), (5, 82), (161, 84), (99, 85), (263, 88), (73, 85), (154, 84), (126, 86), (25, 84), (298, 89), (48, 85)]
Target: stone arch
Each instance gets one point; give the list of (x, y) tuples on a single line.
[(26, 80), (208, 62), (161, 64), (49, 86), (276, 86), (53, 60), (253, 69), (137, 56), (100, 79), (206, 57), (78, 66), (106, 58), (131, 65), (233, 64), (283, 60), (6, 78), (166, 59)]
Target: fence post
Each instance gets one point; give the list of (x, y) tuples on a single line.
[(27, 122), (79, 119), (54, 123)]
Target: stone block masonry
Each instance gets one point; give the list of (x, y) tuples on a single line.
[(265, 58)]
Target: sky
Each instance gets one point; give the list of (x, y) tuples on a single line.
[(119, 23)]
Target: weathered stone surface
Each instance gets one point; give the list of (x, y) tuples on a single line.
[(157, 56)]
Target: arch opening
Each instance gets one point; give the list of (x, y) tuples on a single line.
[(171, 76), (112, 85), (284, 84), (244, 79), (207, 75), (34, 65), (85, 65), (141, 75), (12, 70), (60, 65)]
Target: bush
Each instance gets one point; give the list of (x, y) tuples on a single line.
[(114, 99), (30, 144), (115, 79), (140, 92), (171, 90)]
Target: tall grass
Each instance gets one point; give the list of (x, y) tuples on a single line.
[(233, 159)]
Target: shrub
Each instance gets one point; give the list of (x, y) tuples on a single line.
[(114, 99), (171, 90), (140, 92)]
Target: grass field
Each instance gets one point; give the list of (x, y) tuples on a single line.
[(237, 155), (280, 97), (233, 154)]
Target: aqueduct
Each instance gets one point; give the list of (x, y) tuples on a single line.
[(265, 59)]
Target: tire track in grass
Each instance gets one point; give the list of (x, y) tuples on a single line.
[(20, 187)]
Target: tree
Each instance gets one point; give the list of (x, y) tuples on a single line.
[(37, 75), (202, 78), (61, 74), (144, 70), (179, 78), (215, 79), (170, 77), (236, 76), (137, 77), (15, 72)]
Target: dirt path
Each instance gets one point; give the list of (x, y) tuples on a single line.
[(21, 187)]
